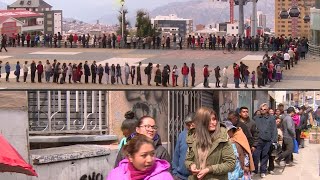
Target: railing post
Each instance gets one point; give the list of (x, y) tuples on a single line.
[(49, 110), (100, 111), (85, 110), (68, 109)]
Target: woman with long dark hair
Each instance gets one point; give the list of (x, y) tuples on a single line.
[(210, 154)]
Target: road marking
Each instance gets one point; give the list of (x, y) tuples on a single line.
[(55, 53), (5, 57), (252, 58)]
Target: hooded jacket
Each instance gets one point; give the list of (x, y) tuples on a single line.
[(160, 173), (160, 151), (220, 159)]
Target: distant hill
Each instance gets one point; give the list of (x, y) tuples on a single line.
[(208, 12)]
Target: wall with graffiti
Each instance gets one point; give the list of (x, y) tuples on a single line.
[(151, 103), (227, 102)]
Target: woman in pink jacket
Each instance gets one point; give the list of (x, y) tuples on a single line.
[(141, 163)]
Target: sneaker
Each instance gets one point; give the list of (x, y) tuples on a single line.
[(271, 172), (263, 175)]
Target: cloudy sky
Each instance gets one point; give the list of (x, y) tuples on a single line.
[(94, 9)]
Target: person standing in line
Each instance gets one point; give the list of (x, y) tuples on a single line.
[(119, 73), (7, 68), (94, 72), (139, 74), (193, 74), (210, 154), (17, 71), (157, 78), (107, 72), (267, 127), (253, 79), (179, 170), (25, 71), (132, 73), (165, 76), (127, 73), (246, 76), (64, 71), (260, 79), (33, 69), (225, 77), (236, 75), (40, 71), (48, 71), (69, 72), (4, 43), (217, 75), (148, 72), (206, 74), (287, 58), (86, 72), (100, 73), (185, 74)]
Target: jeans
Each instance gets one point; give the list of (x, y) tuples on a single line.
[(261, 154), (48, 74), (236, 82), (185, 80)]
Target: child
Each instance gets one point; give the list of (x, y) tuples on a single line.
[(128, 127), (253, 78), (278, 72)]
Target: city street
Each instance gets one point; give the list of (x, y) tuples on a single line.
[(304, 75)]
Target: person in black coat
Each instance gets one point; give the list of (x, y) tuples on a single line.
[(94, 71), (139, 74), (33, 67), (86, 72), (100, 73)]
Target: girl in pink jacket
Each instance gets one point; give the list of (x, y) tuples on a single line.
[(141, 162)]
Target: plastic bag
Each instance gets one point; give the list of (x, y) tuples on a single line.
[(295, 146)]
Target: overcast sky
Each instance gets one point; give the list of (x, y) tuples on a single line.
[(90, 10)]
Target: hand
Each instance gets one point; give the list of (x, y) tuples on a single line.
[(202, 173), (194, 170), (253, 149)]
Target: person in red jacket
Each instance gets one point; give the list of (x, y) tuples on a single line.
[(40, 71), (185, 74), (206, 74), (28, 40), (75, 39), (236, 76)]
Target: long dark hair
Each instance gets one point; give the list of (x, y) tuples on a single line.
[(204, 138)]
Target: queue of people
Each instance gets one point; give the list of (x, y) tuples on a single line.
[(237, 147)]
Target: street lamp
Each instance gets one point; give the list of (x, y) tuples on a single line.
[(122, 24)]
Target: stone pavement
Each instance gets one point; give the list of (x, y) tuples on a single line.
[(305, 74), (306, 166)]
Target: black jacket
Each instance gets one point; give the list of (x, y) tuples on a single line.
[(246, 132), (252, 127), (94, 69), (86, 70), (160, 151)]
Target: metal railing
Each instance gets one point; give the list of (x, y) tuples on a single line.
[(68, 112), (314, 50)]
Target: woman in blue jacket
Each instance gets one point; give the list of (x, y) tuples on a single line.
[(7, 68), (17, 72)]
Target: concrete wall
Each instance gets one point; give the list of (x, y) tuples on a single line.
[(14, 126), (227, 102), (152, 103)]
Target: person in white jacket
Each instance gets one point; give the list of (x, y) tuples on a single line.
[(127, 72), (225, 77), (25, 71)]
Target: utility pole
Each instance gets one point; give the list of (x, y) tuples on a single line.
[(241, 18), (254, 18)]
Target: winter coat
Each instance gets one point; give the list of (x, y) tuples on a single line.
[(157, 77), (178, 167), (7, 68), (160, 151), (252, 127), (160, 172), (220, 159), (86, 70), (267, 127)]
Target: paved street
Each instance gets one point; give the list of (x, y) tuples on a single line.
[(306, 166), (302, 76)]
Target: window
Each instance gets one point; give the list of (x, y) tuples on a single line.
[(49, 28), (49, 16), (49, 22), (232, 27)]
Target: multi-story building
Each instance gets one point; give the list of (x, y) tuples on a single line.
[(285, 27), (52, 19), (262, 19), (183, 26), (315, 29)]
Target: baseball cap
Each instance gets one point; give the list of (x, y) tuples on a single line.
[(229, 125)]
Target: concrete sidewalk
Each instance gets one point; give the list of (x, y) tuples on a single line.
[(306, 165)]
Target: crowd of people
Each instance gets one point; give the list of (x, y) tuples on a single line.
[(269, 70), (209, 148), (174, 41)]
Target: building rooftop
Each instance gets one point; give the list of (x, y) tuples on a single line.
[(170, 17), (18, 14), (29, 4)]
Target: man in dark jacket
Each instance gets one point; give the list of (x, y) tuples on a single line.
[(251, 125), (289, 134), (179, 169), (148, 72), (304, 116), (94, 71), (139, 74), (234, 118), (86, 72), (33, 68), (267, 127), (4, 42)]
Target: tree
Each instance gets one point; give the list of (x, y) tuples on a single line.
[(143, 24), (119, 31)]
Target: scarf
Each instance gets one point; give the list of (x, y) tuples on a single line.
[(140, 175), (241, 139)]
